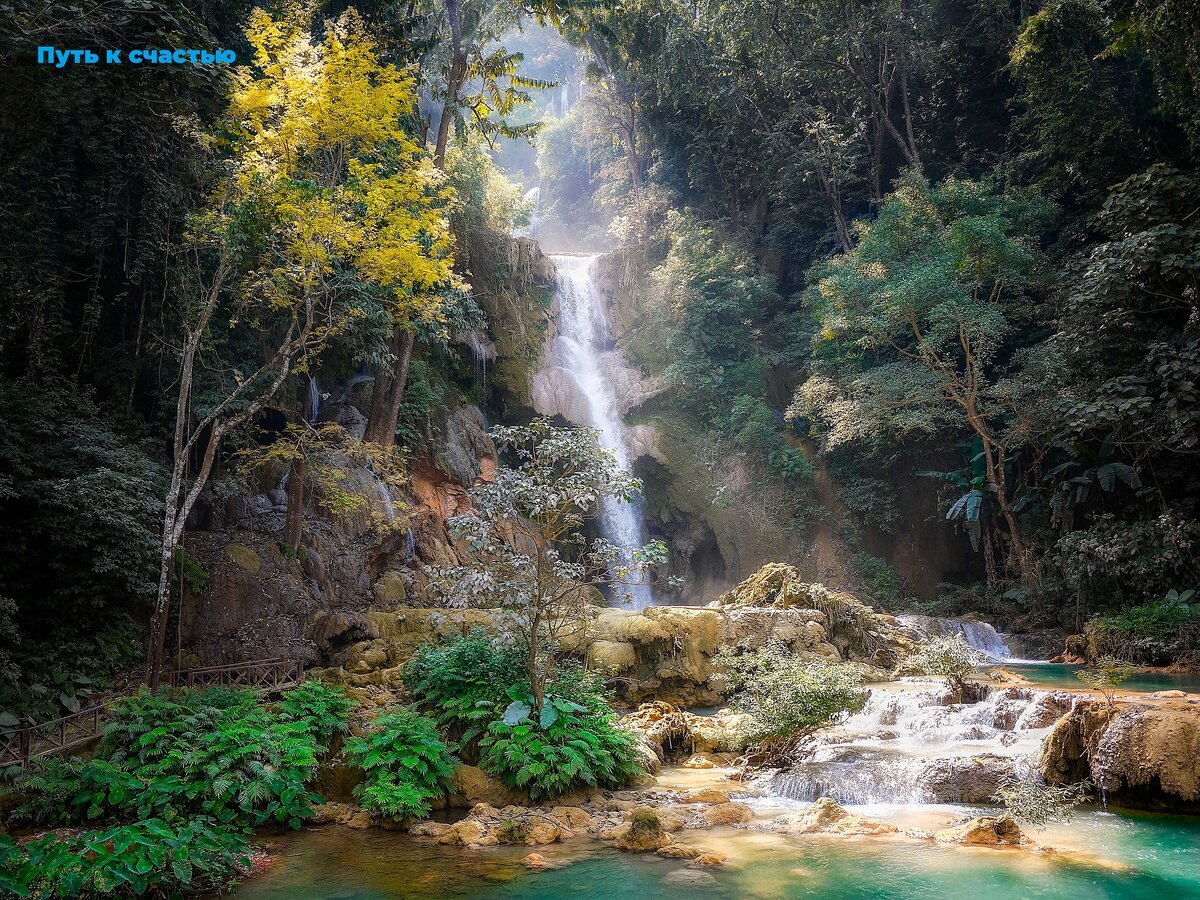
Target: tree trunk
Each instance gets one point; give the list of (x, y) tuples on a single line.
[(294, 525), (388, 394), (455, 76)]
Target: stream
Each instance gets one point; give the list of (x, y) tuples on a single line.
[(912, 757)]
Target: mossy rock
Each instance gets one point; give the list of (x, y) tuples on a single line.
[(244, 558)]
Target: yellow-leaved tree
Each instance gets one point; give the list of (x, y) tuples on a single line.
[(325, 214)]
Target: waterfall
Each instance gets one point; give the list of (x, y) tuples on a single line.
[(980, 635), (534, 194), (314, 399), (911, 744), (583, 328)]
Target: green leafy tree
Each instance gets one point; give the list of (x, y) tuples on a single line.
[(1030, 800), (949, 657), (787, 698), (530, 556), (1106, 675), (916, 325)]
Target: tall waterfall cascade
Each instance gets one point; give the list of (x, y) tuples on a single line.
[(586, 395)]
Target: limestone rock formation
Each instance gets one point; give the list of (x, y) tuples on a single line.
[(1139, 754), (984, 831), (827, 816)]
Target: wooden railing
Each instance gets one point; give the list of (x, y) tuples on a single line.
[(19, 745), (268, 675)]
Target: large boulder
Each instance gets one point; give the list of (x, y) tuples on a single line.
[(827, 816)]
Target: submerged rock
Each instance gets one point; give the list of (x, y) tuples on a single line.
[(727, 814)]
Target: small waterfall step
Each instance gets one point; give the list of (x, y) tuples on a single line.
[(980, 635)]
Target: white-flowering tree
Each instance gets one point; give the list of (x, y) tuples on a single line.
[(529, 555)]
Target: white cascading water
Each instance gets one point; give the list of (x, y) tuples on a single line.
[(583, 330), (980, 635), (911, 744)]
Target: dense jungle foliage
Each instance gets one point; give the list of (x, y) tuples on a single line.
[(950, 241)]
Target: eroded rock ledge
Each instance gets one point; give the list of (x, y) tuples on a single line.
[(1143, 755)]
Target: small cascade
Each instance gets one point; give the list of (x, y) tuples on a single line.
[(482, 351), (314, 399), (534, 195), (980, 635), (583, 326), (912, 744), (410, 545)]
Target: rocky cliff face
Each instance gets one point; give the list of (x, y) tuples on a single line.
[(1140, 754), (662, 653), (248, 598)]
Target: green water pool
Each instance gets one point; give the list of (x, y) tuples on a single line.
[(1126, 856), (1061, 675)]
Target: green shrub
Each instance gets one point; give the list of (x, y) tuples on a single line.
[(320, 709), (406, 764), (787, 697), (149, 857), (570, 746), (1161, 620), (213, 753), (949, 657), (463, 683)]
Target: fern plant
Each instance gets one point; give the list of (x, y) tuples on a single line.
[(462, 684), (568, 747), (322, 710), (213, 753), (406, 764), (151, 857)]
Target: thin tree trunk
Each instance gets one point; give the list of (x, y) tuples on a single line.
[(455, 77), (294, 524)]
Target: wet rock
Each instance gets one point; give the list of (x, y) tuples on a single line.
[(680, 851), (827, 816), (643, 833), (690, 878), (709, 860), (699, 761), (668, 819), (965, 779), (985, 831), (706, 795), (727, 814), (537, 862), (472, 786), (571, 818)]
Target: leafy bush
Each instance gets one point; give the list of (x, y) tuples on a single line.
[(950, 657), (570, 746), (787, 697), (1156, 620), (406, 764), (320, 709), (1105, 675), (462, 684), (213, 753), (1031, 800), (148, 857)]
